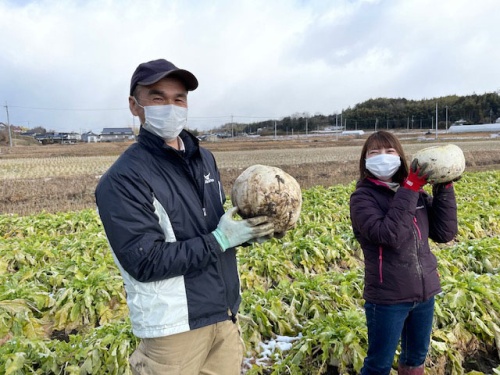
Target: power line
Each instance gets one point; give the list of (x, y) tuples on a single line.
[(126, 109), (70, 109)]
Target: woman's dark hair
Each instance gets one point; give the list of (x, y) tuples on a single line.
[(383, 139)]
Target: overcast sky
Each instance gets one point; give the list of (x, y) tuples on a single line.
[(66, 65)]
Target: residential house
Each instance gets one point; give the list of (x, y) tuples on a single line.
[(56, 137), (90, 137), (117, 135)]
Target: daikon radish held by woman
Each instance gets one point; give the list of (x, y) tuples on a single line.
[(447, 162)]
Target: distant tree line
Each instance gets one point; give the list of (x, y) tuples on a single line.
[(383, 113), (380, 113)]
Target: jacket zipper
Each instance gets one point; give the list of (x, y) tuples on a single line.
[(380, 261), (417, 247), (200, 189), (201, 195)]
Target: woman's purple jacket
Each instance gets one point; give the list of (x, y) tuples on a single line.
[(393, 229)]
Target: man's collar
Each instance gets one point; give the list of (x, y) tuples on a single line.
[(180, 142)]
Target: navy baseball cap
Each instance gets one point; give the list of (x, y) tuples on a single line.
[(152, 71)]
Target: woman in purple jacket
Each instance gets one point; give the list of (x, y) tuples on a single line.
[(393, 219)]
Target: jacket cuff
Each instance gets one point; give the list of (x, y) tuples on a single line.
[(221, 240)]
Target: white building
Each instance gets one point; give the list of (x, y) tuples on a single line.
[(460, 128)]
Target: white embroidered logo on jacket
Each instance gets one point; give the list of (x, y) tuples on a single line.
[(208, 180)]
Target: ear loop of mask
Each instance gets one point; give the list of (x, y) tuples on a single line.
[(137, 102)]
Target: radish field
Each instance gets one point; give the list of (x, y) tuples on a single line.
[(63, 309)]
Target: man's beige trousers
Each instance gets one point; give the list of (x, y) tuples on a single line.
[(213, 350)]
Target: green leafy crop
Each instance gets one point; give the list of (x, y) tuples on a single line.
[(63, 308)]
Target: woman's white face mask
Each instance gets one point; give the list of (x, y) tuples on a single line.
[(383, 166), (165, 121)]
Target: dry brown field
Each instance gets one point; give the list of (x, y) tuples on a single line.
[(57, 178)]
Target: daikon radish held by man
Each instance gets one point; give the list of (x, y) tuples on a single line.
[(269, 191)]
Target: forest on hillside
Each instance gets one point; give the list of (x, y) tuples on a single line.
[(384, 113)]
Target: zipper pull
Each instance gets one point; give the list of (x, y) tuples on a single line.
[(204, 211)]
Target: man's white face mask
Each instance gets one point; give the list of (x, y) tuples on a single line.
[(383, 166), (165, 121)]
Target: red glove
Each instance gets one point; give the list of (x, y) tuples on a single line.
[(418, 176)]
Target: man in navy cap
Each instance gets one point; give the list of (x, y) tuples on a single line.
[(161, 204)]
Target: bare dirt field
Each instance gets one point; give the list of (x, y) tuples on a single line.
[(55, 178)]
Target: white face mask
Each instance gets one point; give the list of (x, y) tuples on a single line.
[(165, 121), (383, 166)]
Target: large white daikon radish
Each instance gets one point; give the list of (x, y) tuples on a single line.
[(447, 162), (265, 190)]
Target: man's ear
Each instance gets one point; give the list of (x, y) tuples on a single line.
[(132, 104)]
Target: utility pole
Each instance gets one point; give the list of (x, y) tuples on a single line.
[(446, 119), (274, 129), (436, 120), (232, 132), (337, 130), (8, 124)]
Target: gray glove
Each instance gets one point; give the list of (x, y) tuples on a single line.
[(231, 232)]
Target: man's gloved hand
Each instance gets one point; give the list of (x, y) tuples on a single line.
[(231, 232), (260, 239), (418, 175)]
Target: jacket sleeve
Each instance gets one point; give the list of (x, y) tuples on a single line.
[(442, 212), (125, 205), (389, 226)]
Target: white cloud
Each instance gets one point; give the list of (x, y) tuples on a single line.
[(254, 59)]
